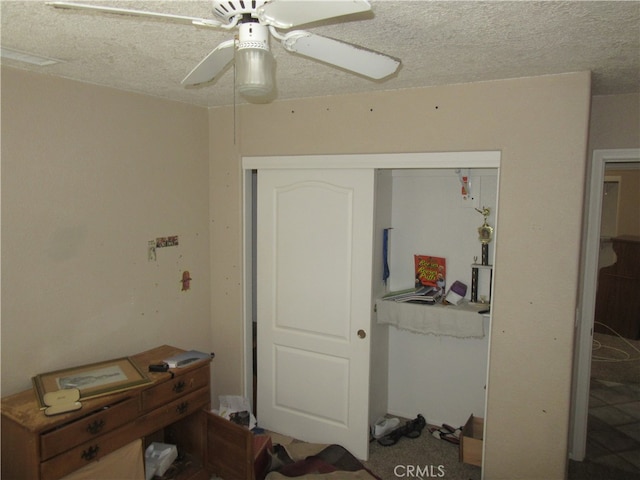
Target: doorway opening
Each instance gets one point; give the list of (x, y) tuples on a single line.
[(593, 436)]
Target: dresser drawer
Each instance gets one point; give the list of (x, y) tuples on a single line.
[(182, 384), (174, 411), (65, 463), (89, 427)]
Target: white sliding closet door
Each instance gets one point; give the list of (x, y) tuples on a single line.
[(314, 263)]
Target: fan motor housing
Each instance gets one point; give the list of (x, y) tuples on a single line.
[(253, 35), (226, 10)]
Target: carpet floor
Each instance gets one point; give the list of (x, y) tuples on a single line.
[(428, 457), (422, 457)]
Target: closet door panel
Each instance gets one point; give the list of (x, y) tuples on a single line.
[(312, 262), (314, 249)]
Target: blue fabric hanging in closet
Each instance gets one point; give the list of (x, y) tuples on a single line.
[(385, 255)]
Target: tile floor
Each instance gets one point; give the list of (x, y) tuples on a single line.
[(613, 425)]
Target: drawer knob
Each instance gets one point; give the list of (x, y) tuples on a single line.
[(178, 387), (182, 408), (90, 453), (95, 427)]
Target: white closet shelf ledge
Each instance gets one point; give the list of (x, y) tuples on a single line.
[(460, 321)]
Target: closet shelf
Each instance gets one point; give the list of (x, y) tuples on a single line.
[(461, 321)]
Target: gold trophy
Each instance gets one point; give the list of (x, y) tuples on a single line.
[(485, 235), (485, 232)]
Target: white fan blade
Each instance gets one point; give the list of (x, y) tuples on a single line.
[(344, 55), (289, 13), (212, 64), (138, 13)]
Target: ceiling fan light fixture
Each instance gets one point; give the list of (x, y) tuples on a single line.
[(254, 62), (254, 72)]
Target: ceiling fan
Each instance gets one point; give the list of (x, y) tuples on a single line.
[(256, 20)]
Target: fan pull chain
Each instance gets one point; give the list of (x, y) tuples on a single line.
[(234, 103)]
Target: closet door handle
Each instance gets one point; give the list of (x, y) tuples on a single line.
[(362, 333)]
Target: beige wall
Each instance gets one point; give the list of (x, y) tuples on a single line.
[(629, 199), (226, 255), (540, 125), (89, 176), (615, 123)]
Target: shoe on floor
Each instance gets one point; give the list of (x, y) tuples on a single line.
[(411, 429), (447, 433), (383, 426)]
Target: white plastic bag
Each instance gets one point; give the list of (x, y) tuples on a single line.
[(235, 404)]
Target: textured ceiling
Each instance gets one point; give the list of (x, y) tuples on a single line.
[(439, 42)]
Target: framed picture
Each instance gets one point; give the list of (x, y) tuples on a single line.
[(93, 380)]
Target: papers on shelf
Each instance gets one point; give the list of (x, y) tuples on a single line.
[(425, 294)]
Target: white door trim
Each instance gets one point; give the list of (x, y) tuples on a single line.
[(588, 287), (484, 159), (460, 159)]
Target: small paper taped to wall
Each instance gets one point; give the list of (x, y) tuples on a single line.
[(167, 241)]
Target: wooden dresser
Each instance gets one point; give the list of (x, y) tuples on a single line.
[(618, 297), (172, 409)]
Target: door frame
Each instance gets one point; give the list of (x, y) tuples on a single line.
[(393, 161), (588, 286)]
